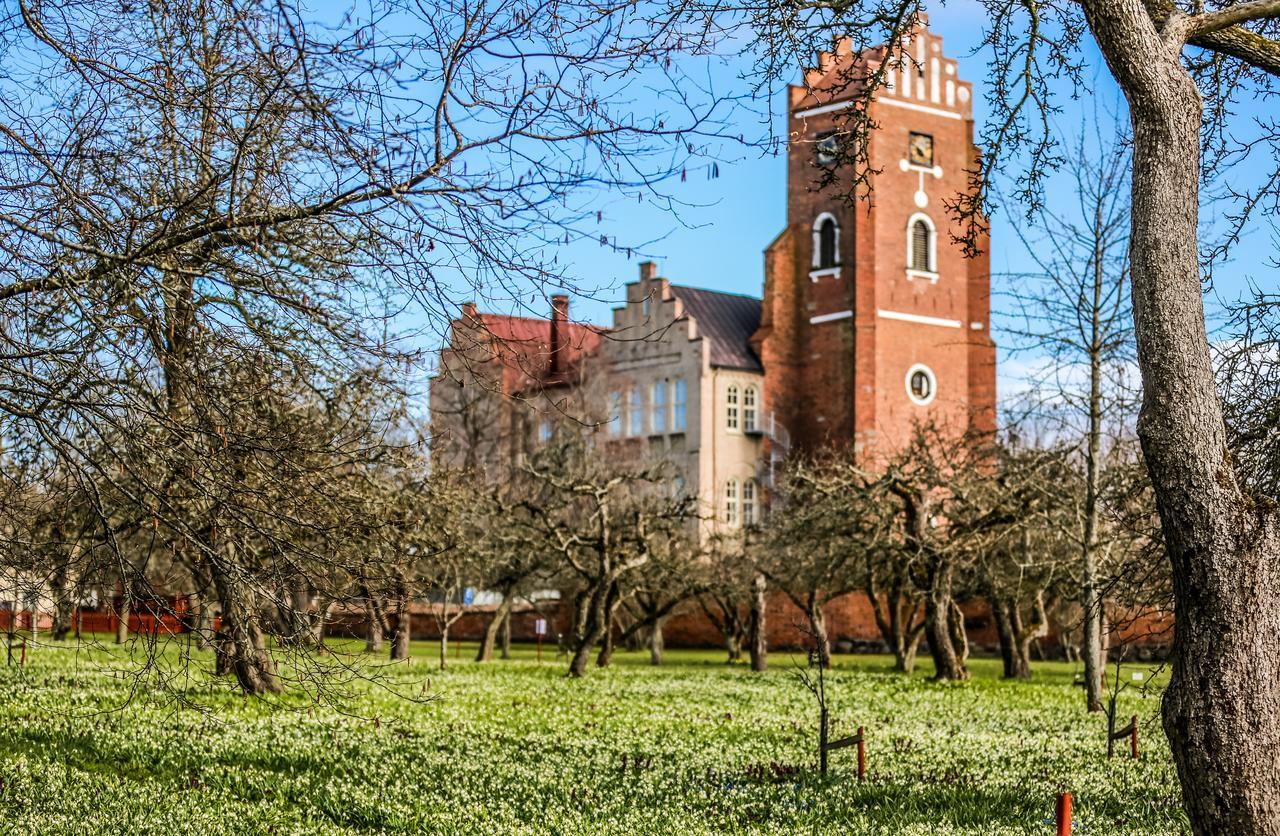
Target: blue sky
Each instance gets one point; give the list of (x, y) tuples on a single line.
[(717, 239)]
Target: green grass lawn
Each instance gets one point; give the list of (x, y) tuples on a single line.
[(86, 747)]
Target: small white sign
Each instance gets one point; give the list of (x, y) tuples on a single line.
[(540, 626), (1137, 676)]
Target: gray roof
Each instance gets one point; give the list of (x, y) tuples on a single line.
[(726, 319)]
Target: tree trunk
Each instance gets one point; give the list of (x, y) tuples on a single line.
[(1004, 632), (818, 624), (1222, 706), (959, 637), (506, 635), (404, 628), (758, 636), (62, 605), (605, 658), (122, 614), (491, 630), (444, 646), (895, 615), (203, 622), (243, 649), (1020, 657), (594, 623), (656, 644), (907, 663), (937, 616), (1027, 635), (376, 627), (1090, 594)]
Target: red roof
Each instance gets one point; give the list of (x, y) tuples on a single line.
[(523, 346)]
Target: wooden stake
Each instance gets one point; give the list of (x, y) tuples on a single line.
[(1062, 816), (23, 663), (862, 753)]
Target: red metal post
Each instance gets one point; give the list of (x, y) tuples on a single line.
[(1063, 814), (862, 753), (23, 663), (1133, 738)]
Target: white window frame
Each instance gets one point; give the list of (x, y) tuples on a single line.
[(635, 411), (749, 502), (732, 422), (750, 410), (731, 503), (818, 270), (912, 272), (933, 384), (658, 407), (679, 405), (615, 414)]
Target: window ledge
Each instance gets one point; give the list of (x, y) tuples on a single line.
[(833, 272), (926, 275)]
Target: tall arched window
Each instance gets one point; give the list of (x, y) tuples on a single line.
[(826, 242), (731, 408), (921, 245), (749, 409)]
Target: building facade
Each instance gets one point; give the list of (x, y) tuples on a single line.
[(873, 317)]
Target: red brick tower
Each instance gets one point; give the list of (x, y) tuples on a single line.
[(873, 318)]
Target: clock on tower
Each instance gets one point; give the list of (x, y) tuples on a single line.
[(920, 150)]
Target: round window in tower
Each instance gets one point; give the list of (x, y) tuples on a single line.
[(921, 384)]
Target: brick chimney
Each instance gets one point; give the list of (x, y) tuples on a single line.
[(648, 270), (469, 311), (559, 332)]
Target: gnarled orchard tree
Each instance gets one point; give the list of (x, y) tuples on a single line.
[(196, 183), (1222, 707), (1182, 67)]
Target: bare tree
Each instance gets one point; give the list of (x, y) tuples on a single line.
[(607, 520), (1181, 67), (1074, 314), (204, 200)]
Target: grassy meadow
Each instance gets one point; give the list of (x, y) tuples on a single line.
[(89, 746)]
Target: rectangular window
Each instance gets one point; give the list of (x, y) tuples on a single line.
[(731, 502), (749, 502), (749, 409), (658, 407), (731, 408), (679, 399), (544, 430), (614, 419), (635, 421)]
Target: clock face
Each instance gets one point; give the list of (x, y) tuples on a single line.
[(920, 150)]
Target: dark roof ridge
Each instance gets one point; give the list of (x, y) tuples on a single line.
[(721, 292)]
